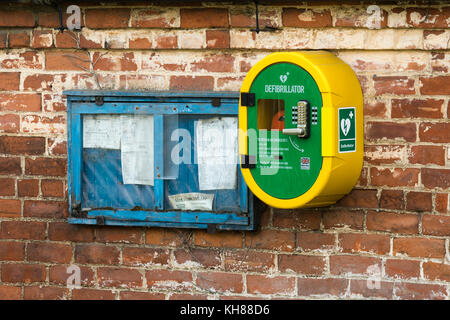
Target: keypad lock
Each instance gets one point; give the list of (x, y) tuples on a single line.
[(301, 119)]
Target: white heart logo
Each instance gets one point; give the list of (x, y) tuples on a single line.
[(283, 78), (345, 126)]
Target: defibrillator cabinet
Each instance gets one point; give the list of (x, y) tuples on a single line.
[(301, 129)]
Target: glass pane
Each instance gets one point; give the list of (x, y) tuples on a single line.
[(270, 114)]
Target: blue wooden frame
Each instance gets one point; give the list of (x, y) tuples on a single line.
[(158, 104)]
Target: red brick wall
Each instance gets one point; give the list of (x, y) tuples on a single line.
[(394, 226)]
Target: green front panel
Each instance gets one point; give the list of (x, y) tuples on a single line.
[(286, 165)]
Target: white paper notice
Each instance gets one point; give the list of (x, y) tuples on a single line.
[(137, 149), (192, 201), (217, 149), (101, 131)]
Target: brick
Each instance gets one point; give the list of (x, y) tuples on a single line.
[(218, 39), (62, 231), (297, 219), (270, 285), (393, 222), (12, 251), (52, 188), (9, 123), (435, 178), (49, 252), (392, 199), (440, 61), (376, 109), (66, 39), (7, 187), (322, 287), (370, 243), (436, 225), (50, 19), (24, 60), (20, 102), (140, 43), (343, 219), (204, 18), (43, 124), (57, 147), (436, 271), (10, 208), (371, 288), (9, 81), (167, 42), (119, 235), (40, 82), (59, 274), (351, 265), (166, 279), (166, 237), (416, 108), (395, 177), (45, 293), (45, 209), (398, 85), (96, 254), (220, 239), (246, 260), (119, 277), (107, 18), (66, 60), (116, 62), (391, 131), (436, 17), (24, 230), (19, 39), (384, 154), (434, 132), (189, 83), (418, 201), (214, 63), (132, 295), (220, 282), (3, 40), (185, 296), (22, 145), (10, 292), (198, 258), (359, 17), (10, 166), (419, 291), (402, 269), (155, 18), (439, 85), (359, 198), (92, 294), (419, 247), (46, 167), (24, 273), (42, 39), (271, 240), (306, 18), (426, 154), (301, 264), (16, 18), (145, 256), (308, 241), (245, 17), (441, 202), (435, 39)]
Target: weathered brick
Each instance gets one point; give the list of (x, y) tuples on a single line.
[(416, 108), (426, 154), (360, 198), (156, 18), (42, 39), (419, 291), (9, 123), (247, 260), (45, 209), (439, 85), (22, 145), (59, 274), (10, 208), (66, 60), (24, 230), (220, 282), (52, 188), (45, 293), (343, 219), (9, 81), (10, 165), (370, 243), (391, 131), (218, 39), (306, 18), (398, 85), (271, 240), (442, 202), (134, 295), (198, 258), (392, 199), (107, 18), (119, 235), (308, 241), (24, 273), (16, 18), (96, 254), (10, 292), (350, 265), (436, 225), (418, 201), (119, 277), (402, 269), (393, 222), (322, 287), (435, 178), (46, 167), (301, 264), (396, 177), (297, 219), (204, 18), (20, 102), (7, 187), (12, 251), (270, 285), (436, 271), (62, 231), (229, 239), (435, 17), (434, 132), (19, 39), (190, 83), (419, 247), (92, 294), (49, 252), (166, 279)]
